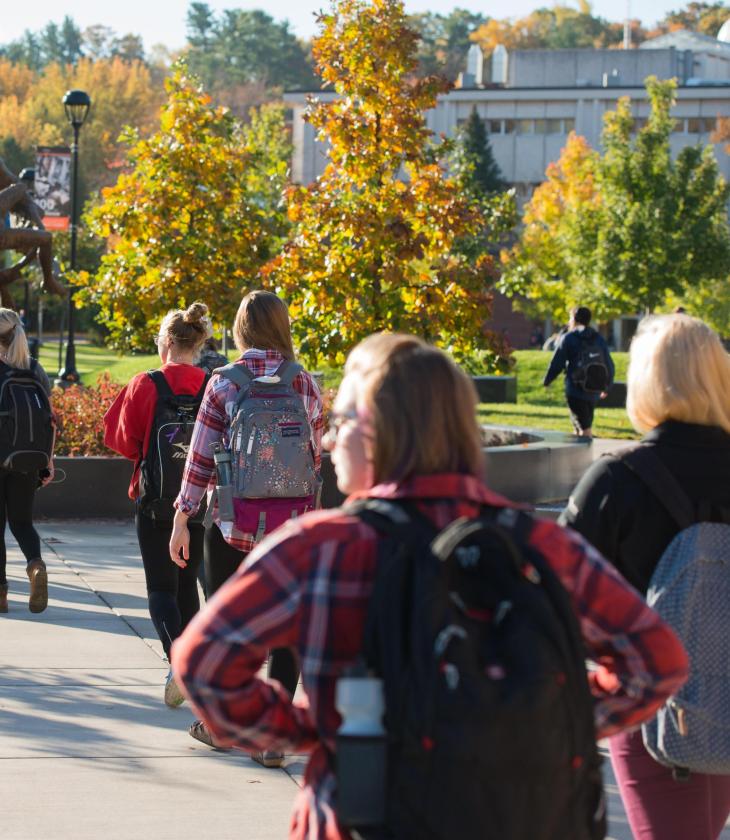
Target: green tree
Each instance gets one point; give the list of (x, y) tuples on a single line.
[(370, 249), (641, 225), (194, 216), (445, 40), (245, 47), (473, 161)]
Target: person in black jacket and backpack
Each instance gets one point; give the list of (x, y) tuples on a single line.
[(19, 480), (678, 396), (583, 356)]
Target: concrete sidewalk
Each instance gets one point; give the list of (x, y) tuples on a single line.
[(87, 747)]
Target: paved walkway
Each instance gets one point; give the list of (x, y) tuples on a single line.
[(87, 747)]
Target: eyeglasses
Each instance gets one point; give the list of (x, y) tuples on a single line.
[(337, 420)]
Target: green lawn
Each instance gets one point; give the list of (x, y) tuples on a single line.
[(545, 408), (536, 406)]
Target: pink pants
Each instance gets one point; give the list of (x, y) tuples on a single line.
[(660, 808)]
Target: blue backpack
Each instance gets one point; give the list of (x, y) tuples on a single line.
[(690, 590)]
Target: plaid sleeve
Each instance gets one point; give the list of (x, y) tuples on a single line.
[(217, 658), (306, 385), (199, 464), (639, 660)]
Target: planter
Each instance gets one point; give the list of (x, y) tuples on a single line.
[(534, 466), (95, 487), (616, 396), (496, 389)]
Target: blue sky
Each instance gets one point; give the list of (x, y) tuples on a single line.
[(163, 21)]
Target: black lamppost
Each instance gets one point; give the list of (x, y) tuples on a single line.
[(76, 104), (27, 176)]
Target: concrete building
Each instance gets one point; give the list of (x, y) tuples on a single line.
[(546, 94)]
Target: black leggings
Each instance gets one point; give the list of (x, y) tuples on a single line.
[(17, 491), (172, 592), (221, 561)]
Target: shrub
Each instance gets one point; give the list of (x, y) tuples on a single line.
[(80, 413)]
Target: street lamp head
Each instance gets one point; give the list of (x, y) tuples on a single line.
[(77, 104)]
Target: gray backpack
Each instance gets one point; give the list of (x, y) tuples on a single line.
[(272, 458), (690, 589)]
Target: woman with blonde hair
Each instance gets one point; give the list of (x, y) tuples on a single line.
[(133, 428), (262, 334), (678, 397), (403, 430), (17, 489)]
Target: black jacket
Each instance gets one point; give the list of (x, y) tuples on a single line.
[(566, 357), (615, 511)]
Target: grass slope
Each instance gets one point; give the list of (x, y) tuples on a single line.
[(545, 408)]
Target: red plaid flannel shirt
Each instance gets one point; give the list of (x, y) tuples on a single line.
[(211, 427), (307, 586)]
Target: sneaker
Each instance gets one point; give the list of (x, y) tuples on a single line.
[(4, 598), (268, 758), (38, 577), (173, 696), (198, 730)]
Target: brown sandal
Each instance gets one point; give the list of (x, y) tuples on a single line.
[(199, 731)]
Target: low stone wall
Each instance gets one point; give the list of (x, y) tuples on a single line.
[(542, 467)]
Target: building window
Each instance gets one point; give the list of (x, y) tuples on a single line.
[(568, 125), (525, 126), (638, 124), (540, 126), (678, 127), (494, 126), (509, 126), (554, 126)]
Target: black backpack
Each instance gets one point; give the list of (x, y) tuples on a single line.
[(489, 717), (590, 371), (26, 420), (161, 469)]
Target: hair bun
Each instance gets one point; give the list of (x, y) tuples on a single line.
[(195, 313)]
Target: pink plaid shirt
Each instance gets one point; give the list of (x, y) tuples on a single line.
[(211, 427)]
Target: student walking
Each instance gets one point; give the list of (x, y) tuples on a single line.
[(27, 436), (404, 436), (150, 423), (582, 355), (631, 507), (263, 336)]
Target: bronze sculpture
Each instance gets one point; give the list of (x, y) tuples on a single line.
[(33, 240)]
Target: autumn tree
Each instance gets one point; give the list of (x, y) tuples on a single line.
[(642, 225), (194, 214), (706, 18), (31, 112), (371, 248)]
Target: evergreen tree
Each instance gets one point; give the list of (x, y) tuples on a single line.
[(474, 164)]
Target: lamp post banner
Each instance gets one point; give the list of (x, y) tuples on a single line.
[(53, 185)]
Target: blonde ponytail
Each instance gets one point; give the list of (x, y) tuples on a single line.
[(13, 343)]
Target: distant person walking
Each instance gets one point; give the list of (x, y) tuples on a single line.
[(150, 423), (210, 357), (583, 356), (262, 334), (632, 507), (26, 451)]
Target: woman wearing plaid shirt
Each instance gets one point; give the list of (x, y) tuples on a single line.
[(405, 428), (262, 333)]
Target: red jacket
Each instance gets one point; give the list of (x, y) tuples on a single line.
[(128, 423)]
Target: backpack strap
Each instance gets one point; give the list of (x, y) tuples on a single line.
[(288, 372), (203, 386), (161, 383), (238, 374), (649, 467)]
